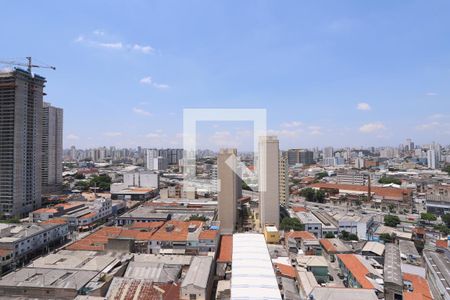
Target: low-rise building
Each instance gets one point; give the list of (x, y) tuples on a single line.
[(197, 283), (393, 284), (315, 264), (311, 222), (358, 273), (334, 246), (20, 242), (437, 273), (271, 234), (302, 242)]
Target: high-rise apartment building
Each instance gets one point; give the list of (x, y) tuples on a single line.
[(431, 158), (52, 147), (328, 152), (300, 156), (230, 190), (21, 100), (284, 180), (150, 156), (268, 181)]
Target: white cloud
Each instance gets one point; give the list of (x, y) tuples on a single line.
[(72, 137), (149, 81), (315, 130), (100, 39), (98, 32), (142, 48), (117, 45), (291, 124), (141, 112), (146, 80), (363, 106), (427, 126), (113, 134), (431, 94), (372, 127), (161, 86), (285, 133)]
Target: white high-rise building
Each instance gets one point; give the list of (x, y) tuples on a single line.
[(431, 159), (230, 190), (268, 181), (151, 154), (160, 163), (52, 147)]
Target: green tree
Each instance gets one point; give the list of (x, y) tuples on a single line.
[(321, 175), (245, 186), (329, 235), (288, 224), (446, 219), (428, 217), (386, 237), (391, 221), (79, 176), (446, 169), (102, 181), (308, 193), (198, 218), (442, 228), (389, 180), (320, 196)]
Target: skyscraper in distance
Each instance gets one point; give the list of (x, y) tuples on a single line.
[(268, 181), (21, 100), (52, 147)]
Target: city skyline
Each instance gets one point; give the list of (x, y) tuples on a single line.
[(359, 74)]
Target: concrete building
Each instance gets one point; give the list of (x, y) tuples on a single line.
[(141, 179), (284, 181), (20, 142), (300, 156), (351, 178), (268, 181), (431, 159), (253, 275), (437, 266), (198, 281), (393, 284), (229, 192), (150, 155), (52, 148), (311, 222)]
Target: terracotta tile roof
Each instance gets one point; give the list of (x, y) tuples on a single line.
[(358, 270), (299, 209), (304, 235), (89, 215), (286, 271), (380, 191), (208, 235), (179, 232), (97, 240), (45, 210), (55, 221), (420, 285), (442, 243), (328, 246), (147, 225), (226, 249)]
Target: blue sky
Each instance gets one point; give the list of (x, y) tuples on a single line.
[(342, 73)]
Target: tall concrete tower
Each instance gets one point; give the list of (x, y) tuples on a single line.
[(20, 142), (52, 147), (230, 190), (268, 177)]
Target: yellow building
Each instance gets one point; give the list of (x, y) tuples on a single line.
[(271, 234)]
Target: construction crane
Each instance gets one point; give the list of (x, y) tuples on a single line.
[(29, 65)]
